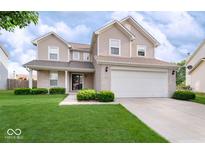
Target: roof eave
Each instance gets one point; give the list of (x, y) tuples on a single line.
[(135, 64), (35, 41), (5, 52), (195, 52), (37, 67), (199, 63), (131, 36), (151, 38)]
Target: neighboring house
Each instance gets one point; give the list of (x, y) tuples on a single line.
[(3, 68), (120, 58), (195, 69)]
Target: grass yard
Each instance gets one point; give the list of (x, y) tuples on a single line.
[(42, 120), (200, 98)]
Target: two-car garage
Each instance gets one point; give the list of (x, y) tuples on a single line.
[(139, 83)]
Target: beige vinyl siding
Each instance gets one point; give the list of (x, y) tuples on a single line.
[(51, 40), (88, 80), (43, 79), (113, 33), (196, 58), (140, 39), (197, 78)]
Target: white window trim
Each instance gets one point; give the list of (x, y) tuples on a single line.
[(110, 40), (78, 55), (69, 58), (49, 52), (85, 56), (145, 50), (50, 78)]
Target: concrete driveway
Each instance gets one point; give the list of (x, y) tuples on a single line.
[(177, 121)]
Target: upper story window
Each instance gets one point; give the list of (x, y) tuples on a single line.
[(53, 79), (76, 55), (114, 47), (53, 53), (86, 56), (141, 50)]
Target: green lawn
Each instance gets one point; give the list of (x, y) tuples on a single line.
[(42, 120), (200, 98)]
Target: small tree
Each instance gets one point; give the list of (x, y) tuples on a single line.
[(9, 20), (181, 73)]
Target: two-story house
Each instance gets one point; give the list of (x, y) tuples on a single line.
[(4, 58), (121, 58)]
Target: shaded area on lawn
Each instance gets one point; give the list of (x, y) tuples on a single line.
[(42, 120)]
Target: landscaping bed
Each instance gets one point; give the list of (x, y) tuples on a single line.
[(39, 91), (93, 95), (189, 96)]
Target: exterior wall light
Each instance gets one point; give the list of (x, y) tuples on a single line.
[(173, 72), (189, 67), (106, 69)]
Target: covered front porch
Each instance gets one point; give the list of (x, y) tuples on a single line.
[(72, 75)]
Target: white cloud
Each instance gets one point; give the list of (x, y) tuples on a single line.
[(15, 66), (176, 25), (67, 32), (165, 26), (21, 48)]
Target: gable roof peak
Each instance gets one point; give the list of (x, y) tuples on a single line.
[(141, 28), (50, 33), (132, 37), (195, 52)]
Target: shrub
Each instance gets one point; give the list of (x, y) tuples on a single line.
[(105, 96), (57, 90), (86, 94), (184, 95), (37, 91), (22, 91)]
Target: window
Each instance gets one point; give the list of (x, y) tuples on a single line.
[(76, 55), (141, 50), (53, 53), (86, 56), (53, 79), (114, 47)]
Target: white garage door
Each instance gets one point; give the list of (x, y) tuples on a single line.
[(139, 83)]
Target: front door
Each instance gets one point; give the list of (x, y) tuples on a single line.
[(77, 81)]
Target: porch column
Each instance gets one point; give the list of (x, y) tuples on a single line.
[(66, 82), (30, 78)]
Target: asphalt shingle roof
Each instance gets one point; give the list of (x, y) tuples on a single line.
[(134, 60), (59, 64)]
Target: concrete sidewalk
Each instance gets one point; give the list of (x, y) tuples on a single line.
[(71, 100)]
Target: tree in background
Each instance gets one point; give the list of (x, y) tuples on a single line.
[(181, 73), (9, 20)]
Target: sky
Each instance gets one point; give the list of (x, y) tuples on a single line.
[(179, 33)]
